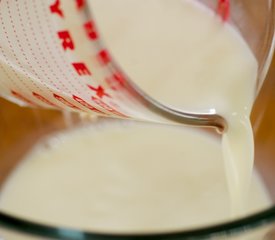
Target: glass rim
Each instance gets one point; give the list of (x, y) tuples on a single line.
[(244, 224), (268, 47)]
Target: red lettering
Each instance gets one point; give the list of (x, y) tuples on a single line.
[(87, 105), (107, 107), (55, 8), (67, 41), (81, 69), (100, 91), (119, 78), (104, 57), (90, 30), (64, 101), (80, 4), (116, 81), (22, 98), (43, 99), (223, 9)]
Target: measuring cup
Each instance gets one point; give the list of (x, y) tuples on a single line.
[(52, 55)]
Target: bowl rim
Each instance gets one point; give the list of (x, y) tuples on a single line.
[(242, 225)]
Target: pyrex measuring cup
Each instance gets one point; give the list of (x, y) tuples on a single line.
[(52, 56)]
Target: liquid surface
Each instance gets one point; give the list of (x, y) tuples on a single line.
[(179, 52), (125, 178)]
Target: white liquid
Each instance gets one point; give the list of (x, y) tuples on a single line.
[(120, 179), (126, 178), (182, 54)]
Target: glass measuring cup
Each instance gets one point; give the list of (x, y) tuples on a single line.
[(265, 216), (81, 80)]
